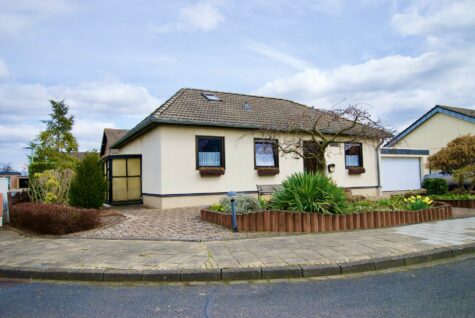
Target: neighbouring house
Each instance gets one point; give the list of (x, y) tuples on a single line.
[(15, 180), (403, 158), (109, 137), (201, 144)]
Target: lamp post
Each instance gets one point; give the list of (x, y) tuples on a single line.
[(232, 196)]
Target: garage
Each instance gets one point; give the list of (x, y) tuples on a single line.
[(400, 173)]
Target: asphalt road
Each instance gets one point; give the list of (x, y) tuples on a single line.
[(446, 290)]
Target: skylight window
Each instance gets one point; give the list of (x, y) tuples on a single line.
[(211, 97), (247, 107)]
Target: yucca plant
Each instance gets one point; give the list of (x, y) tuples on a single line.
[(310, 192)]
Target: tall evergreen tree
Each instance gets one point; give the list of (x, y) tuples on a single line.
[(54, 147)]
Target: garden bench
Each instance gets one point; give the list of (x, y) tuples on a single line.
[(263, 189)]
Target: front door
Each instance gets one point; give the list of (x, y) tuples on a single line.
[(310, 160)]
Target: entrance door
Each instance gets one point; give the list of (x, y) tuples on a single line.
[(309, 150)]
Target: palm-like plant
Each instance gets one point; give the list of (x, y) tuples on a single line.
[(310, 192)]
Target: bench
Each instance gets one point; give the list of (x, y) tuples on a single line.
[(264, 189)]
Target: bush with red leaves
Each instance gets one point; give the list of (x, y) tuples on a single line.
[(53, 219)]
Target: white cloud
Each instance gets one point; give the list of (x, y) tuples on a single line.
[(389, 85), (436, 17), (89, 133), (108, 97), (95, 105), (20, 15), (277, 55), (399, 88), (202, 16)]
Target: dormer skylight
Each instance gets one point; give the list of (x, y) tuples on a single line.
[(211, 97)]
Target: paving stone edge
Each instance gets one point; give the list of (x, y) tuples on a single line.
[(242, 273)]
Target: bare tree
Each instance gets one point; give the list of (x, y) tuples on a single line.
[(6, 167), (309, 135)]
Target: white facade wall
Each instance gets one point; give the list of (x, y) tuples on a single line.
[(169, 166)]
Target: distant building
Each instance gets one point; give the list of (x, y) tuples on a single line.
[(110, 136), (15, 180)]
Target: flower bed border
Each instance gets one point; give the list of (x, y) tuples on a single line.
[(467, 203), (284, 221)]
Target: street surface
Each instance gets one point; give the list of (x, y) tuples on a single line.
[(444, 290)]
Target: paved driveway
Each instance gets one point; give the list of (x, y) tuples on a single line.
[(180, 224), (172, 224)]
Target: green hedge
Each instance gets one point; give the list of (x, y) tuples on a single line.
[(435, 186), (89, 185)]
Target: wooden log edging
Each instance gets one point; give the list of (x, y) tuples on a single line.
[(295, 222), (468, 203)]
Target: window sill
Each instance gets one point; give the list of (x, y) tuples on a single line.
[(356, 170), (270, 171), (210, 172)]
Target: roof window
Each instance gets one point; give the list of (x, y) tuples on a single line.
[(211, 97), (247, 107)]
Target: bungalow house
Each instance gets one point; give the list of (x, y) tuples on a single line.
[(201, 144), (408, 151)]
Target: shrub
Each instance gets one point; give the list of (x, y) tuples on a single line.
[(51, 186), (309, 192), (417, 202), (244, 203), (435, 186), (265, 202), (393, 203), (52, 218), (216, 207), (454, 196), (89, 185)]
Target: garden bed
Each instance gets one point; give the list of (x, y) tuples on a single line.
[(459, 203), (284, 221)]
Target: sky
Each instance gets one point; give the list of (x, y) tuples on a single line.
[(115, 61)]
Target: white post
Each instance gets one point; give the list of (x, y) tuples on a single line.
[(3, 201)]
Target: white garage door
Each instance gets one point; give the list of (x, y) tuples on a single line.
[(400, 174)]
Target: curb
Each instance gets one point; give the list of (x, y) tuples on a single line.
[(244, 273)]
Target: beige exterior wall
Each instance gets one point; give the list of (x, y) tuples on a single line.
[(435, 133), (148, 146), (169, 165)]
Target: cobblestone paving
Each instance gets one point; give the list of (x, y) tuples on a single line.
[(73, 253), (180, 224), (172, 224)]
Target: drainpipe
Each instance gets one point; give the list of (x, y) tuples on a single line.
[(378, 157)]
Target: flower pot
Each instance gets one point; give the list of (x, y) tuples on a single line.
[(267, 171)]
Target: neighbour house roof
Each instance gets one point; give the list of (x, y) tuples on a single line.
[(10, 173), (465, 114), (111, 136), (222, 109)]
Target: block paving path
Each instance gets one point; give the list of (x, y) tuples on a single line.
[(17, 250), (179, 224), (172, 224)]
